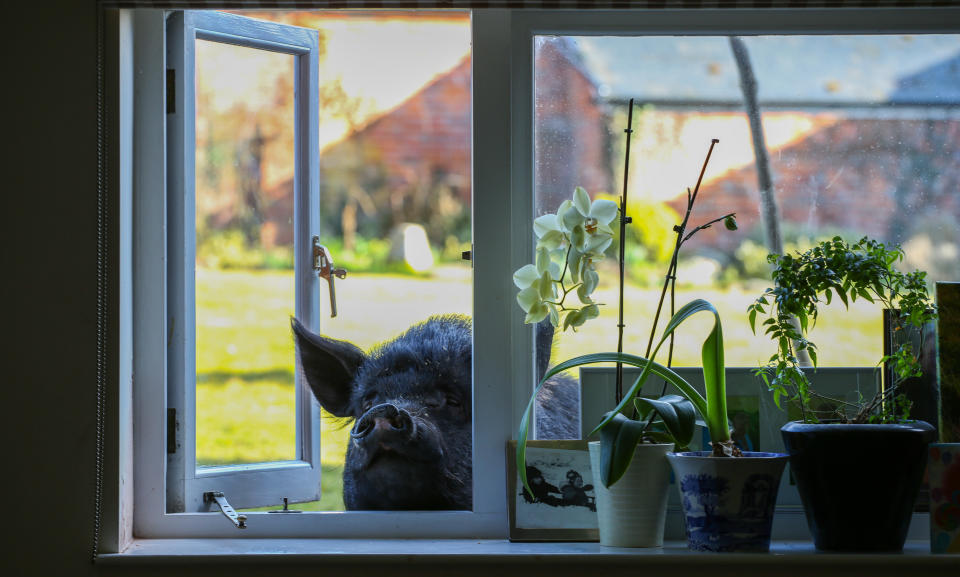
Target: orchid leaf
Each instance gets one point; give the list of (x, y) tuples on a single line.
[(618, 442), (619, 439), (714, 410), (678, 414)]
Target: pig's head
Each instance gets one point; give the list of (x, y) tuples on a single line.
[(410, 398)]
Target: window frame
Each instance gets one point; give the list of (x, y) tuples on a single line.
[(502, 103), (789, 522), (526, 24), (255, 484), (151, 282)]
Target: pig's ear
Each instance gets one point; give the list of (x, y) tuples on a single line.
[(329, 367)]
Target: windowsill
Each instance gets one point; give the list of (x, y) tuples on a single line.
[(558, 557)]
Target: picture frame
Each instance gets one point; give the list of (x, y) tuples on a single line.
[(750, 407), (566, 508), (948, 361)]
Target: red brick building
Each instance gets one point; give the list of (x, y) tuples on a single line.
[(890, 178), (572, 143), (412, 164)]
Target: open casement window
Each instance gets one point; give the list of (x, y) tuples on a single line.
[(202, 99), (184, 86)]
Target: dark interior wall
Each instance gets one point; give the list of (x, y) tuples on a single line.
[(49, 285)]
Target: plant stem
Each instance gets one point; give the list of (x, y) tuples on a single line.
[(671, 278), (707, 225), (624, 220), (833, 400)]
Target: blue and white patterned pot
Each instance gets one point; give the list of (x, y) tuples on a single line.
[(728, 502)]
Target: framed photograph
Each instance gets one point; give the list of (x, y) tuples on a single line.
[(563, 506)]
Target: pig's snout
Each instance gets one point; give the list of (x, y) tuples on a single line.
[(382, 419)]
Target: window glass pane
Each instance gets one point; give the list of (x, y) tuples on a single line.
[(862, 134), (395, 182), (244, 268)]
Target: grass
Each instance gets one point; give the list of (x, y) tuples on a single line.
[(245, 396), (742, 348), (245, 402)]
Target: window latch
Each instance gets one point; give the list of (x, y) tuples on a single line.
[(240, 521), (286, 508), (323, 264)]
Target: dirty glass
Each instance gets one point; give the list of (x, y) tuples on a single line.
[(862, 134)]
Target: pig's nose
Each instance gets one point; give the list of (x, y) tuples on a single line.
[(385, 417)]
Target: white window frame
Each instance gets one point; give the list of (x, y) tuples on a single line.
[(255, 484), (789, 522), (151, 266), (525, 24), (502, 183)]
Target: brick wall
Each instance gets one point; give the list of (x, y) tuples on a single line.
[(888, 178), (573, 141)]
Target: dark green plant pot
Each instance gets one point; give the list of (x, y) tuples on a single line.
[(858, 483)]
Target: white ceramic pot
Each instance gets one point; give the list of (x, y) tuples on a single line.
[(632, 512)]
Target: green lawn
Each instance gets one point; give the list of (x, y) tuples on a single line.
[(245, 403), (742, 348)]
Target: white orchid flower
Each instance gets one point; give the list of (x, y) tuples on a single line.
[(569, 243)]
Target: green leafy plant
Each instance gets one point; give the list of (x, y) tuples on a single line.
[(832, 269), (569, 243)]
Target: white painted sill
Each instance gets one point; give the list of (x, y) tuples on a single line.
[(799, 557)]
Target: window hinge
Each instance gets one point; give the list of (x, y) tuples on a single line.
[(171, 91), (171, 431), (240, 521)]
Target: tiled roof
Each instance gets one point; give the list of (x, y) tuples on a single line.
[(814, 70)]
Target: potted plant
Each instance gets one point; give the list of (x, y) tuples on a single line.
[(640, 431), (569, 243), (858, 466)]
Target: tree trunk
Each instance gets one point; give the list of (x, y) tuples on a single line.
[(768, 202)]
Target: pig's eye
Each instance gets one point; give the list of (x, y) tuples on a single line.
[(453, 402)]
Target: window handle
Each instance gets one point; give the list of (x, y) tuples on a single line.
[(323, 264), (239, 521)]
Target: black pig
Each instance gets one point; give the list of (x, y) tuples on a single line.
[(410, 398)]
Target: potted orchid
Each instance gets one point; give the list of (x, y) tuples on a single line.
[(640, 433)]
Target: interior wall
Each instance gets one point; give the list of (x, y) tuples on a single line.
[(50, 290)]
